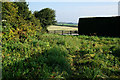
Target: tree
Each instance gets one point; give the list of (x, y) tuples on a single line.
[(9, 13), (23, 10), (46, 17), (18, 18)]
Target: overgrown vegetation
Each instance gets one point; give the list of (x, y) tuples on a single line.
[(28, 54), (68, 57), (18, 21)]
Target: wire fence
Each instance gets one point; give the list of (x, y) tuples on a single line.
[(63, 32)]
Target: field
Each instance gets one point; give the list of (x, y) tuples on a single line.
[(50, 56), (67, 24), (53, 27)]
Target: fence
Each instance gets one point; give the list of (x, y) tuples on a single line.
[(63, 32)]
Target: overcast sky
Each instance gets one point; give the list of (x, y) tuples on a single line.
[(72, 11)]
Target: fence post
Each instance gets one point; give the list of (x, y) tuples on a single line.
[(54, 31), (70, 32), (62, 32)]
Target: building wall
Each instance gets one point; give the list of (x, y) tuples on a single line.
[(101, 26)]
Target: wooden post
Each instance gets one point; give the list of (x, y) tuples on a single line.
[(54, 31), (62, 32), (70, 32)]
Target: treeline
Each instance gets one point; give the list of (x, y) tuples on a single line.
[(17, 19), (46, 17)]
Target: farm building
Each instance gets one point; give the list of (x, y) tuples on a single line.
[(100, 26)]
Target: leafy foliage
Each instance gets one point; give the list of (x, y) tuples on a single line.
[(15, 24), (23, 10), (63, 57), (46, 17)]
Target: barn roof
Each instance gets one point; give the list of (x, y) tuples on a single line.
[(97, 16)]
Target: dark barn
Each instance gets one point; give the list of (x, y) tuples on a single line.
[(100, 26)]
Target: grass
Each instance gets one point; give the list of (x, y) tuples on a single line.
[(71, 25), (53, 27), (61, 57)]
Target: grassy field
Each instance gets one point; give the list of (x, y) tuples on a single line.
[(72, 25), (50, 56), (53, 27)]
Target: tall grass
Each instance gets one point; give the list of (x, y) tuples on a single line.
[(61, 57)]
